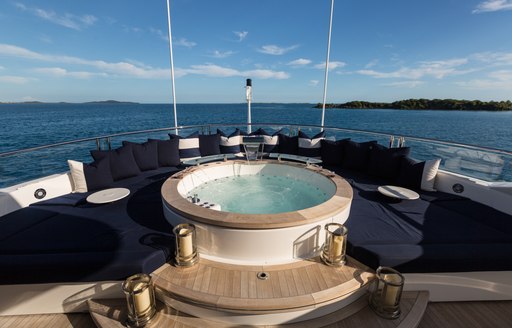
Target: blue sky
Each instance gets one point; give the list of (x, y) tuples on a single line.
[(78, 51)]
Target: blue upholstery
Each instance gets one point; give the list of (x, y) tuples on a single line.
[(437, 233), (78, 242)]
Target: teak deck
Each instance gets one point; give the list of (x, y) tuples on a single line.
[(237, 288)]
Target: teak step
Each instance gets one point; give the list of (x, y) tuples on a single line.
[(111, 313), (237, 288)]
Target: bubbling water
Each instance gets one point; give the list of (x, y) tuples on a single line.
[(260, 194)]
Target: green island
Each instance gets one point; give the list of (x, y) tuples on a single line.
[(428, 104)]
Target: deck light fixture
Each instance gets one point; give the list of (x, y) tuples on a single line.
[(386, 295), (186, 246), (140, 298), (333, 253)]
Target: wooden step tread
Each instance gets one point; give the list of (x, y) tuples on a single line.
[(237, 288), (112, 314)]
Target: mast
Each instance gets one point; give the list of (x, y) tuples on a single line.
[(327, 65), (248, 96), (172, 68)]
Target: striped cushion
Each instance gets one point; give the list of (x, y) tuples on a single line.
[(270, 141), (189, 146), (231, 144), (310, 147)]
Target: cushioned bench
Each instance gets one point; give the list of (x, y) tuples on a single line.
[(69, 240), (437, 233)]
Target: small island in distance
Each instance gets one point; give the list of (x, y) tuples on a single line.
[(428, 104)]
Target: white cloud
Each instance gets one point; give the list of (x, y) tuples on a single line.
[(371, 63), (117, 68), (437, 69), (14, 79), (1, 68), (272, 49), (502, 75), (299, 62), (493, 5), (332, 65), (241, 35), (221, 54), (67, 20), (45, 38), (219, 71), (62, 72), (159, 33), (405, 84), (494, 58), (185, 43), (313, 83)]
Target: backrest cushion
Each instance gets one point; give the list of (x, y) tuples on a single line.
[(385, 162), (209, 144), (122, 161), (288, 145), (331, 152), (310, 147), (270, 141), (168, 152), (90, 177), (189, 146), (231, 144), (418, 175), (357, 155), (146, 154)]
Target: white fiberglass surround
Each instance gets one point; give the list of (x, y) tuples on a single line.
[(257, 245)]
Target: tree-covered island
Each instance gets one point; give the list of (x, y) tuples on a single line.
[(429, 104)]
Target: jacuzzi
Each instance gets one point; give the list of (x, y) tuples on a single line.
[(263, 234)]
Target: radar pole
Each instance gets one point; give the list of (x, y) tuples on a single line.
[(327, 65), (248, 96), (172, 68)]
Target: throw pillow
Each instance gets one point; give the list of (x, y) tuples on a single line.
[(122, 161), (385, 162), (146, 154), (332, 151), (189, 146), (288, 145), (357, 155), (310, 147), (168, 152), (209, 144), (418, 175)]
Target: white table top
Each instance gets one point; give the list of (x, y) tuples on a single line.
[(108, 195), (398, 192)]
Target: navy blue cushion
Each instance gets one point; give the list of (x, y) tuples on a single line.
[(168, 152), (189, 145), (98, 174), (411, 173), (385, 162), (332, 151), (231, 144), (209, 144), (288, 145), (146, 154), (310, 147), (122, 161), (357, 155), (270, 141)]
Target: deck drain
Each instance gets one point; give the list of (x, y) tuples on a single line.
[(263, 275)]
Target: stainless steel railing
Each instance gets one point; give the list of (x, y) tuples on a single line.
[(481, 162)]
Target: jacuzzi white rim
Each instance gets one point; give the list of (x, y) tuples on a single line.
[(334, 205)]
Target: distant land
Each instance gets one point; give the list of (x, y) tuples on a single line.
[(63, 102), (428, 104)]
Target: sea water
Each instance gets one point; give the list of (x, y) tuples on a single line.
[(31, 125), (260, 194)]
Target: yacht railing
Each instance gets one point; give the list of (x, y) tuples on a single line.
[(484, 163)]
